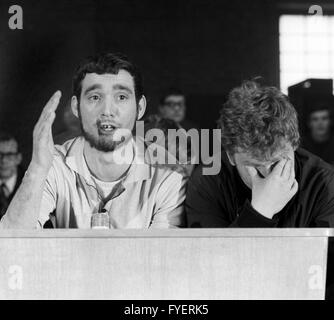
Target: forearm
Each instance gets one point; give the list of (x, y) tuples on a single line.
[(250, 218), (23, 211)]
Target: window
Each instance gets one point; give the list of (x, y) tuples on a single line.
[(306, 48)]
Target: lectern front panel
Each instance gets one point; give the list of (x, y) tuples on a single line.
[(181, 264)]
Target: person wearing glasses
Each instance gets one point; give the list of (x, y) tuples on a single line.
[(11, 172), (173, 107)]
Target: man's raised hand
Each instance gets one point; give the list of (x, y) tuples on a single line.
[(271, 194), (43, 146)]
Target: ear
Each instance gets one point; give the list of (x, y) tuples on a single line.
[(141, 107), (230, 159), (74, 106)]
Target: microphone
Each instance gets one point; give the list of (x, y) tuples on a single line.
[(100, 220)]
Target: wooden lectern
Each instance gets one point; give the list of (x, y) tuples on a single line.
[(164, 264)]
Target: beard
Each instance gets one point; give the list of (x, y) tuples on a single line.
[(104, 143), (101, 143)]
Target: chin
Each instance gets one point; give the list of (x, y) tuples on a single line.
[(107, 145)]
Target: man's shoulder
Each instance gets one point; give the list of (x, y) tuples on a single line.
[(312, 165), (214, 172), (63, 154), (63, 149)]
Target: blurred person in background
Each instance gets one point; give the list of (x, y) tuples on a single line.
[(173, 107), (11, 173), (320, 140)]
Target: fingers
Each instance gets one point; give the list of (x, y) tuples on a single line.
[(50, 107), (286, 172), (43, 131), (278, 169), (52, 104), (292, 172), (48, 113), (294, 187)]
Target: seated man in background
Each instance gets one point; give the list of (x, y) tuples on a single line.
[(265, 179), (11, 173), (105, 170), (320, 140), (173, 107)]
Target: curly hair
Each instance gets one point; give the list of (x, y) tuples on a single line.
[(258, 120)]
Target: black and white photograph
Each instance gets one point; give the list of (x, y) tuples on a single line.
[(166, 154)]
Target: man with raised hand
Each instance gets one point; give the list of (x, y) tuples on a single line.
[(265, 180), (106, 169)]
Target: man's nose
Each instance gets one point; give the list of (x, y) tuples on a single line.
[(109, 107)]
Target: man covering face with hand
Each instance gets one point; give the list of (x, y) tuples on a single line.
[(265, 180)]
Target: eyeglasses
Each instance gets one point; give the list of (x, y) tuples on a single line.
[(174, 104), (8, 155)]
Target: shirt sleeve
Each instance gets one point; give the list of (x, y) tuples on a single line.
[(169, 209), (205, 209), (250, 218), (48, 203)]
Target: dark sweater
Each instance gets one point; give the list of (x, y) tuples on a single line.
[(223, 200)]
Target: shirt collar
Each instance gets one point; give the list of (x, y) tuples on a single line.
[(139, 170)]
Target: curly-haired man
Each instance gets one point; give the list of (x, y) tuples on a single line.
[(265, 180)]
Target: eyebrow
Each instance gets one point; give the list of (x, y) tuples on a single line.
[(115, 87), (92, 87), (122, 87)]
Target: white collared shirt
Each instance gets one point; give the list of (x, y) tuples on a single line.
[(153, 195)]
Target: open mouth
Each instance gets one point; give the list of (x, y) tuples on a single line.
[(106, 128)]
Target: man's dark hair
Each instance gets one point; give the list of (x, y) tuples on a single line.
[(6, 136), (258, 120), (104, 63), (171, 92)]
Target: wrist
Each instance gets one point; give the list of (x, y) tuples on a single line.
[(36, 171), (266, 212)]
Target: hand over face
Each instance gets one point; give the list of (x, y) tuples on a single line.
[(272, 193)]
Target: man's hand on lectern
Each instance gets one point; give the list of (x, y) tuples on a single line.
[(272, 193), (43, 146)]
